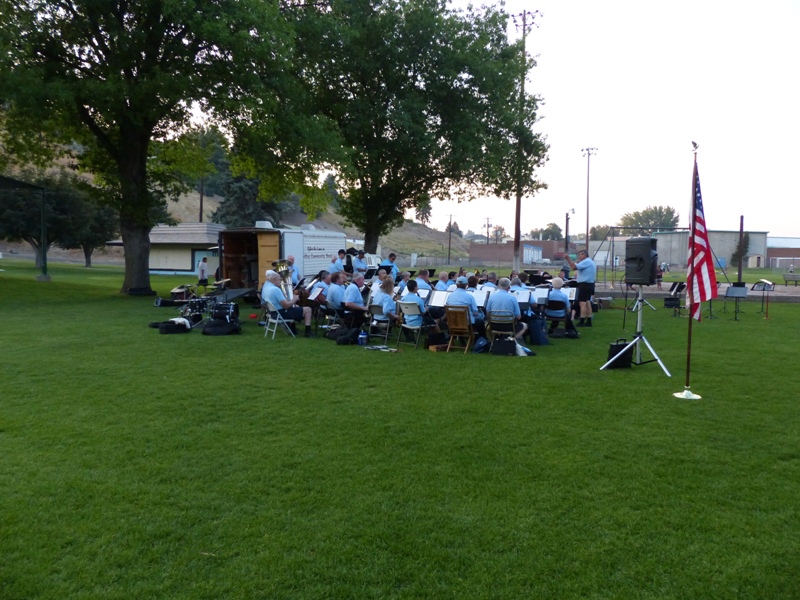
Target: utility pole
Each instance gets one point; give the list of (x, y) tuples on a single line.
[(520, 154), (588, 152), (566, 232), (449, 237), (488, 226)]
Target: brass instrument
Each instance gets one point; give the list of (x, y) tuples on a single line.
[(284, 269)]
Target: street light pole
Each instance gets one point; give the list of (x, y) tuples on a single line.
[(588, 152)]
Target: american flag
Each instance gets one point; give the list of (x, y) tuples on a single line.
[(702, 281)]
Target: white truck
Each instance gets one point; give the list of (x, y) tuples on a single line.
[(246, 253)]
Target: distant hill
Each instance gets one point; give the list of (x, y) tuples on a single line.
[(410, 237)]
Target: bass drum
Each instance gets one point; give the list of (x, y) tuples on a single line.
[(226, 312), (197, 305)]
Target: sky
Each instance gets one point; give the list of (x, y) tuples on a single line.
[(640, 81)]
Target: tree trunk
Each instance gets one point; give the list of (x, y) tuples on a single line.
[(135, 217), (371, 241), (37, 251), (87, 255), (136, 239)]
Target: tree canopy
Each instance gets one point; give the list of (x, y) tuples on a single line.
[(551, 232), (425, 101), (650, 219), (73, 217), (119, 75)]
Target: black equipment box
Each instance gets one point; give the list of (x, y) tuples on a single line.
[(624, 361)]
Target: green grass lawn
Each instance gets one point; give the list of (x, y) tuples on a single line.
[(139, 465)]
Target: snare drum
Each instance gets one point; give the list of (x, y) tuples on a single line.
[(226, 312)]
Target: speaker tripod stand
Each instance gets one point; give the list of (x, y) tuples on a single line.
[(638, 340)]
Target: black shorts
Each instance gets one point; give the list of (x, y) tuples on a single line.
[(585, 291), (294, 313), (202, 282)]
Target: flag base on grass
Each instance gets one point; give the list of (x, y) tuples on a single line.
[(687, 395)]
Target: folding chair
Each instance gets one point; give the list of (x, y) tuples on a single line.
[(501, 324), (409, 309), (556, 311), (273, 319), (376, 310), (458, 323), (329, 316)]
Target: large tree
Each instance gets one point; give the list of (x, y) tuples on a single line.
[(114, 76), (63, 206), (650, 219), (426, 101), (551, 232)]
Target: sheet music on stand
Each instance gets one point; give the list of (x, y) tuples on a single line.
[(481, 296), (438, 298), (524, 299), (422, 293), (763, 286), (540, 294), (315, 294)]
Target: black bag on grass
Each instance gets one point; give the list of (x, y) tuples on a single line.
[(221, 327), (537, 331), (504, 347), (435, 339), (349, 337), (172, 327)]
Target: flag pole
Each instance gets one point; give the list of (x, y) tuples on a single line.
[(687, 393)]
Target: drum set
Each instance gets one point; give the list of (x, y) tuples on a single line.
[(200, 310)]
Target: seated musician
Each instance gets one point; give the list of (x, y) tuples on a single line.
[(323, 284), (338, 261), (422, 319), (354, 301), (561, 314), (523, 279), (360, 262), (390, 267), (472, 283), (491, 280), (335, 292), (514, 273), (405, 277), (293, 269), (461, 297), (444, 281), (385, 298), (288, 309), (423, 282), (503, 300), (516, 284)]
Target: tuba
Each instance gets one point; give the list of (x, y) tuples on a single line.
[(284, 269)]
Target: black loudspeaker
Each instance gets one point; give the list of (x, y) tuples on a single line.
[(641, 261)]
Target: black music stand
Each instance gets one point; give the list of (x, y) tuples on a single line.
[(765, 287), (674, 300), (737, 291)]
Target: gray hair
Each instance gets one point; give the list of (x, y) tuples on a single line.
[(504, 283)]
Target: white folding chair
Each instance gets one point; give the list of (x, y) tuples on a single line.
[(273, 319), (381, 327), (409, 309)]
